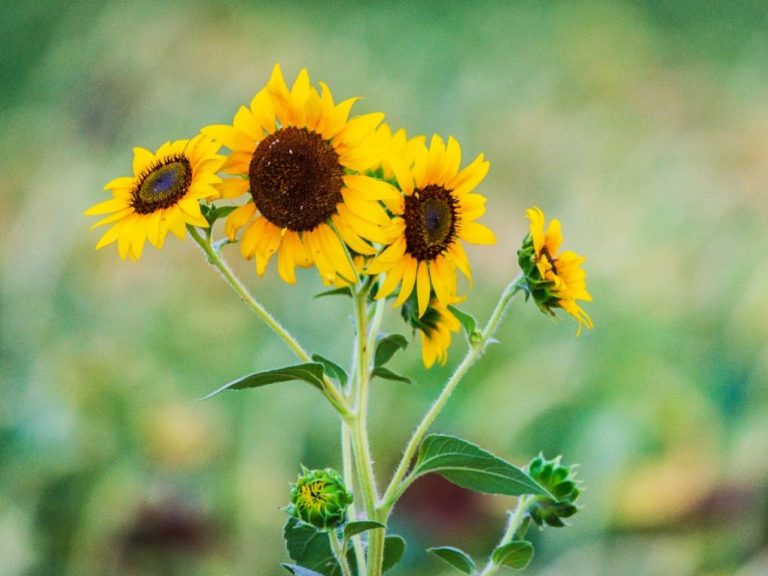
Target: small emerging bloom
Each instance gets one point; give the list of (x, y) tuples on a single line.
[(302, 160), (560, 481), (436, 212), (320, 498), (554, 281), (163, 195), (435, 328)]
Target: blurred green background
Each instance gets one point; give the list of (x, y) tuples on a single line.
[(643, 126)]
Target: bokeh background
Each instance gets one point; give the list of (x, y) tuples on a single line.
[(642, 125)]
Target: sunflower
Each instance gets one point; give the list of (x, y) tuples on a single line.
[(301, 158), (162, 195), (397, 147), (555, 281), (436, 211)]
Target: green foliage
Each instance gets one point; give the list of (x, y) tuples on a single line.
[(387, 346), (299, 570), (469, 466), (388, 374), (311, 372), (332, 369), (310, 548), (394, 548), (467, 322), (212, 213), (343, 291), (457, 558), (516, 554), (354, 528)]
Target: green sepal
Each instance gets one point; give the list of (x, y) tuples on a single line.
[(343, 291), (457, 558), (516, 554), (467, 322), (320, 498), (394, 548), (299, 570), (469, 466), (388, 374), (387, 346), (332, 369), (560, 481), (211, 212), (354, 528), (311, 372)]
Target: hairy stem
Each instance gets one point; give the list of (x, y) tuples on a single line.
[(218, 262), (478, 345), (339, 552), (514, 524)]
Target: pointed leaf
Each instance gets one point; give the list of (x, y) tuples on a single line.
[(386, 348), (394, 548), (332, 369), (311, 372), (467, 322), (387, 374), (457, 558), (310, 548), (516, 554), (353, 528), (299, 571), (469, 466), (343, 291)]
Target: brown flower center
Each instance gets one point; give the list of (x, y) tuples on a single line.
[(430, 221), (162, 185), (295, 179)]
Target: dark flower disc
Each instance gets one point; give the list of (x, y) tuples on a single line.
[(162, 185), (430, 221)]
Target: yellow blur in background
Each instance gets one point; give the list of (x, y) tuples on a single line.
[(641, 125)]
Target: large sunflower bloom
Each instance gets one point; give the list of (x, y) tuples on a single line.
[(162, 195), (556, 280), (300, 157), (436, 211)]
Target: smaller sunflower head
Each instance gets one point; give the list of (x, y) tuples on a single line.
[(435, 328), (560, 481), (553, 280), (320, 498), (162, 196)]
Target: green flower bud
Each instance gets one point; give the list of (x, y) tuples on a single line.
[(560, 481), (320, 498)]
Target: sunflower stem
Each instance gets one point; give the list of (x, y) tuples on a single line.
[(216, 260), (399, 481), (359, 429), (339, 551), (349, 480), (514, 524)]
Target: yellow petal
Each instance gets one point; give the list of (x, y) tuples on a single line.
[(476, 233), (238, 218), (466, 180), (393, 278), (285, 258), (409, 279), (142, 159), (423, 287)]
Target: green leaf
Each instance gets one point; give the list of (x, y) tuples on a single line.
[(387, 374), (469, 466), (394, 548), (213, 212), (332, 369), (516, 554), (310, 548), (311, 372), (299, 571), (386, 348), (343, 291), (467, 322), (457, 558), (353, 528)]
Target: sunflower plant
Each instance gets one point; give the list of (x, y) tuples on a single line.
[(383, 218)]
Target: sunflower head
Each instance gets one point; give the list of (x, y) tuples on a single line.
[(320, 498), (435, 213), (302, 162), (163, 195), (553, 280)]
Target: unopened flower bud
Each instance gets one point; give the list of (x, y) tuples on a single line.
[(560, 481), (320, 498)]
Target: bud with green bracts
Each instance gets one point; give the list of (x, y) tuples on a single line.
[(560, 481), (320, 498)]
